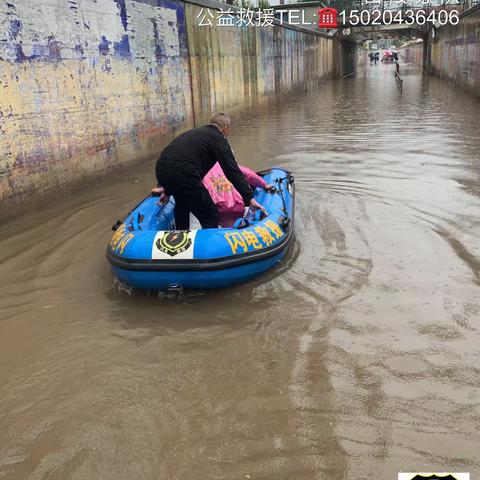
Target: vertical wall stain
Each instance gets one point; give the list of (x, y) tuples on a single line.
[(123, 12)]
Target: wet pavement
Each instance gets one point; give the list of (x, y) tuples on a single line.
[(357, 358)]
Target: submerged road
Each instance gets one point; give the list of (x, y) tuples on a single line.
[(357, 358)]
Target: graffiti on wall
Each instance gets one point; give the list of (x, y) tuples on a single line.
[(84, 88)]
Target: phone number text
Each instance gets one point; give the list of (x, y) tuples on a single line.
[(407, 17)]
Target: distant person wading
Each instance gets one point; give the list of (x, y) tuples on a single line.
[(186, 160)]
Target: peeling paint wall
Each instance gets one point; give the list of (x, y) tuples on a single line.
[(89, 87), (455, 53)]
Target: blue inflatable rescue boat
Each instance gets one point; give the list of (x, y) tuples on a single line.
[(147, 252)]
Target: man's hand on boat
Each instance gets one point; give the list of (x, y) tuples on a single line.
[(256, 206), (160, 192)]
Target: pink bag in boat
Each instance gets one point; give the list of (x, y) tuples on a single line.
[(223, 194)]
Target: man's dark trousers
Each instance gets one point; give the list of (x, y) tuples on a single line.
[(190, 196)]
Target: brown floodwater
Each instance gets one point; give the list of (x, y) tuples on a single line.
[(357, 358)]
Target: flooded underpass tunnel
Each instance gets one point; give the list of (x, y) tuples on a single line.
[(357, 358)]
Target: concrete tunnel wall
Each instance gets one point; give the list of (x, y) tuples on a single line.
[(412, 53), (90, 87), (236, 68), (455, 52)]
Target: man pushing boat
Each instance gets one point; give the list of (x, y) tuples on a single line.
[(186, 160)]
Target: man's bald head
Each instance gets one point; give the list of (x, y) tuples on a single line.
[(222, 122)]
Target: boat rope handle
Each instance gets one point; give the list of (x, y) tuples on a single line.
[(280, 191)]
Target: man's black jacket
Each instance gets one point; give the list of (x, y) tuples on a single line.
[(195, 152)]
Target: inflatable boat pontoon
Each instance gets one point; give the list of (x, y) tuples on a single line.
[(147, 252)]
